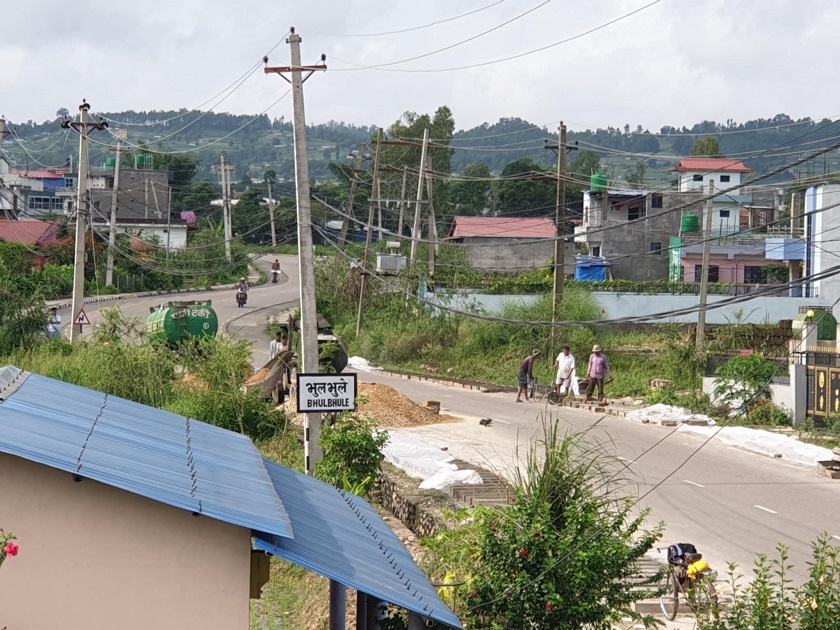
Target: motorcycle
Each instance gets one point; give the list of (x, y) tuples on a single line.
[(241, 298)]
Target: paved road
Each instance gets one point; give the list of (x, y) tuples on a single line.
[(248, 322), (729, 502)]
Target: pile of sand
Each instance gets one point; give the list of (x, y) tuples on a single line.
[(390, 408)]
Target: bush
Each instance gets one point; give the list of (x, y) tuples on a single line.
[(765, 413), (352, 453), (744, 381)]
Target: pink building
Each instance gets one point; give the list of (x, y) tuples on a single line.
[(737, 262)]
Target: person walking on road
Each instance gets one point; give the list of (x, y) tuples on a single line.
[(526, 374), (275, 271), (53, 323), (566, 376), (279, 344), (596, 372)]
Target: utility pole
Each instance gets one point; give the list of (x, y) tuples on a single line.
[(792, 214), (402, 205), (704, 273), (379, 208), (83, 127), (145, 197), (223, 169), (374, 202), (112, 231), (271, 213), (168, 225), (559, 221), (433, 233), (345, 223), (306, 258), (415, 230), (157, 205)]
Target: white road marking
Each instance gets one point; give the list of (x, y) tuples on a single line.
[(624, 459), (837, 537), (761, 507), (694, 483)]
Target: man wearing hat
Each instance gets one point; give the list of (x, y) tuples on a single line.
[(526, 374), (597, 371)]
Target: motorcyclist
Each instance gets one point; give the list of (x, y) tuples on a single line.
[(242, 292), (275, 271)]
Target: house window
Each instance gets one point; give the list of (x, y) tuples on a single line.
[(656, 248), (596, 251), (724, 179), (713, 273), (698, 178), (656, 201), (635, 213), (724, 214), (755, 275)]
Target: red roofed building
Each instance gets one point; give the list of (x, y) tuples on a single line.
[(507, 244), (697, 172), (34, 234)]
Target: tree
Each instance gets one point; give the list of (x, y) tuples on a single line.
[(198, 198), (563, 554), (637, 177), (518, 193), (471, 194), (585, 163), (707, 146)]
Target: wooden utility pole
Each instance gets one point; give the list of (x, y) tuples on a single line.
[(415, 230), (308, 309), (83, 127), (351, 200), (374, 203), (704, 273), (271, 213), (112, 229), (402, 205), (559, 221)]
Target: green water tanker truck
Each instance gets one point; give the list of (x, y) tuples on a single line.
[(176, 322)]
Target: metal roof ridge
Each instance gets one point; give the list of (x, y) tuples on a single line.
[(11, 377)]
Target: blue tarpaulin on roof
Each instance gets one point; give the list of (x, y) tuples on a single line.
[(590, 268)]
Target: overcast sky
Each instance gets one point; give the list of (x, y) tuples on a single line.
[(676, 62)]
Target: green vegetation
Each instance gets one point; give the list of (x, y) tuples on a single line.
[(769, 600), (352, 453), (561, 556)]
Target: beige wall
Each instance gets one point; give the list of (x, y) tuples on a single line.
[(96, 558)]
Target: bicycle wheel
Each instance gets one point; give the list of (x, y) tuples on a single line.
[(555, 399), (669, 600), (702, 596)]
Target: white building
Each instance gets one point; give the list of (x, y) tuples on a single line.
[(822, 248)]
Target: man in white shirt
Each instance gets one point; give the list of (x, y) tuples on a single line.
[(53, 323), (566, 377), (279, 344)]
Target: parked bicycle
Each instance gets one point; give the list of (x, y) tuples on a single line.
[(689, 578)]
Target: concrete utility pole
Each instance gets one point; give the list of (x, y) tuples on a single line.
[(433, 233), (146, 198), (374, 202), (402, 204), (306, 258), (345, 223), (168, 225), (415, 230), (271, 214), (559, 221), (223, 169), (704, 273), (112, 231), (83, 127)]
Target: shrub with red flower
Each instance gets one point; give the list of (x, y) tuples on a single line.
[(8, 547)]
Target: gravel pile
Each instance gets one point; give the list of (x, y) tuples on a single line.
[(390, 408)]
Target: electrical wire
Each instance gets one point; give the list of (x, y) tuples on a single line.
[(357, 67)]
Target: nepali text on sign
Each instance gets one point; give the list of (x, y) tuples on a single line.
[(326, 393)]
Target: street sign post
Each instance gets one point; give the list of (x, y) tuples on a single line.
[(326, 393), (81, 320)]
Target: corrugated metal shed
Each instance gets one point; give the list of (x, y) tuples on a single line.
[(341, 536), (143, 450)]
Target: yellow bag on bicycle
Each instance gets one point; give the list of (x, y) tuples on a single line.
[(696, 568)]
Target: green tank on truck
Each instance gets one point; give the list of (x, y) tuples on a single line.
[(175, 322)]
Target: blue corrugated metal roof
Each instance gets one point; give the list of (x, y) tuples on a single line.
[(341, 536), (143, 450)]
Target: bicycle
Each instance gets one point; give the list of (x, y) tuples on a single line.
[(688, 577)]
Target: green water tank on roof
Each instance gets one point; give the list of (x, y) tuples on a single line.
[(597, 182), (690, 223), (140, 161), (110, 162)]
